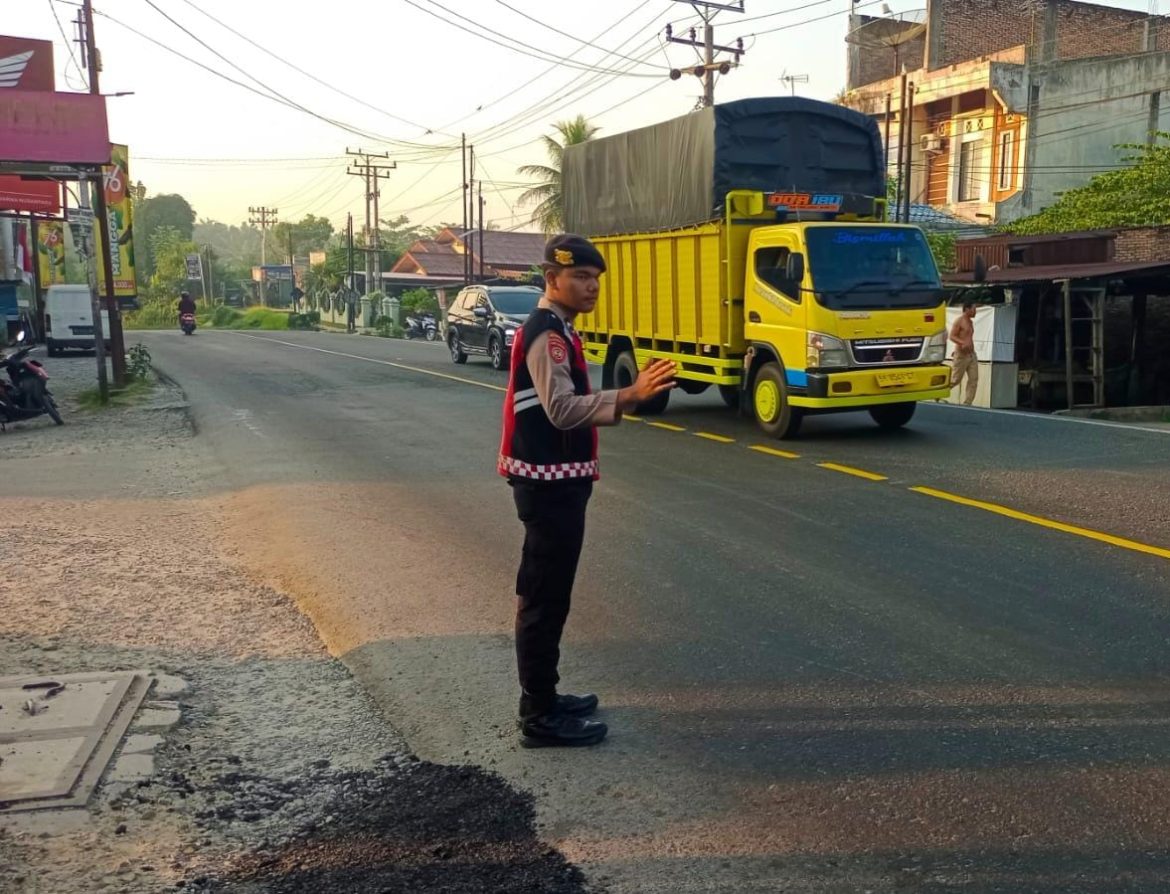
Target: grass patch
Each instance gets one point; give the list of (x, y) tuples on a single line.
[(252, 318), (136, 391)]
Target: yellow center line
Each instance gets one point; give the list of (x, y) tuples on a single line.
[(856, 473), (667, 426), (1046, 523), (414, 369), (630, 418), (772, 451), (719, 439)]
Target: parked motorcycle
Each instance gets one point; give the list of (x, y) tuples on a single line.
[(187, 323), (26, 394), (422, 326)]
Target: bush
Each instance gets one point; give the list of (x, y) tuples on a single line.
[(263, 318), (152, 315), (419, 301), (138, 364), (225, 317), (385, 327), (310, 320)]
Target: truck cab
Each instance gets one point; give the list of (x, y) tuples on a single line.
[(841, 316)]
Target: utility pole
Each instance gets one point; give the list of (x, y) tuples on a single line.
[(468, 262), (481, 204), (708, 66), (463, 143), (99, 334), (372, 173), (263, 217), (117, 342), (349, 247), (209, 279)]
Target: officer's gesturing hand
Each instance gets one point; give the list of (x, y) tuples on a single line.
[(657, 376)]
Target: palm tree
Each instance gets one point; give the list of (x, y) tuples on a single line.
[(549, 211)]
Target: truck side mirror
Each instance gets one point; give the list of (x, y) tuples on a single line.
[(794, 269)]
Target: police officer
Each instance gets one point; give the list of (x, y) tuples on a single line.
[(549, 456)]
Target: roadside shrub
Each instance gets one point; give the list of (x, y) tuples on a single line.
[(152, 315), (310, 320), (224, 317), (138, 361), (385, 327)]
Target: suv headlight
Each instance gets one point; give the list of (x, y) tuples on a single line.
[(825, 351), (936, 348)]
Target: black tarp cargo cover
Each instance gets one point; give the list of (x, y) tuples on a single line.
[(677, 173)]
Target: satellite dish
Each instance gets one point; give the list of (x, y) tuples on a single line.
[(889, 32)]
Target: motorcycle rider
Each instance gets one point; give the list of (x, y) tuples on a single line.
[(186, 304)]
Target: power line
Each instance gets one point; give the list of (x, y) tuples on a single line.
[(69, 48), (556, 30), (272, 96), (307, 74), (552, 67), (552, 103), (512, 43)]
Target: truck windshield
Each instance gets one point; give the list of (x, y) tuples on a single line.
[(515, 302), (872, 267)]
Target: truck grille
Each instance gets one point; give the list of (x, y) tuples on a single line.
[(885, 351)]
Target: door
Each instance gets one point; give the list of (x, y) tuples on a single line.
[(774, 303), (481, 318), (458, 317)]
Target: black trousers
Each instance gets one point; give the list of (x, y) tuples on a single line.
[(554, 529)]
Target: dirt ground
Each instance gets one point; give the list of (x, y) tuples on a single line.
[(280, 776)]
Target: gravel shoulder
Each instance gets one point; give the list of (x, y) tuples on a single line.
[(280, 774)]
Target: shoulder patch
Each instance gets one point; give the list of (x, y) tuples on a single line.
[(557, 349)]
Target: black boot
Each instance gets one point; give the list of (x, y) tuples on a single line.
[(576, 705), (560, 730)]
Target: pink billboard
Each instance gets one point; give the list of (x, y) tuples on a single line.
[(45, 126)]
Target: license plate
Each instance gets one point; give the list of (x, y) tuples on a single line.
[(893, 379)]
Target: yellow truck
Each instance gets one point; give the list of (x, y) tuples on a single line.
[(796, 298)]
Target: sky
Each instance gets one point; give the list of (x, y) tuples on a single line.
[(406, 78)]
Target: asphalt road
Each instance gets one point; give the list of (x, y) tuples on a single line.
[(927, 660)]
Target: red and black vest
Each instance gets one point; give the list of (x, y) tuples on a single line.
[(532, 447)]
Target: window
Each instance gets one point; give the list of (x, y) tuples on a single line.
[(969, 175), (772, 268), (517, 302), (1007, 160)]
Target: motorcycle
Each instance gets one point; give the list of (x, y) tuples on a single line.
[(422, 326), (187, 323), (26, 394)]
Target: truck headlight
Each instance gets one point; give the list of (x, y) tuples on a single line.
[(936, 348), (825, 351)]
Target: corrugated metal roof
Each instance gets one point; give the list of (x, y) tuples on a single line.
[(1062, 271)]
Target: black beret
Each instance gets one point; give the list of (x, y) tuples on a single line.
[(571, 250)]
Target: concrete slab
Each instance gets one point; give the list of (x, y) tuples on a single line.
[(54, 755), (154, 718)]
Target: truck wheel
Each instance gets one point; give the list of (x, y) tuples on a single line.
[(730, 395), (774, 413), (625, 372), (891, 416), (690, 386)]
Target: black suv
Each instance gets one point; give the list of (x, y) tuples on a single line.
[(484, 320)]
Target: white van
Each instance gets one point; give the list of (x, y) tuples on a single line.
[(69, 319)]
